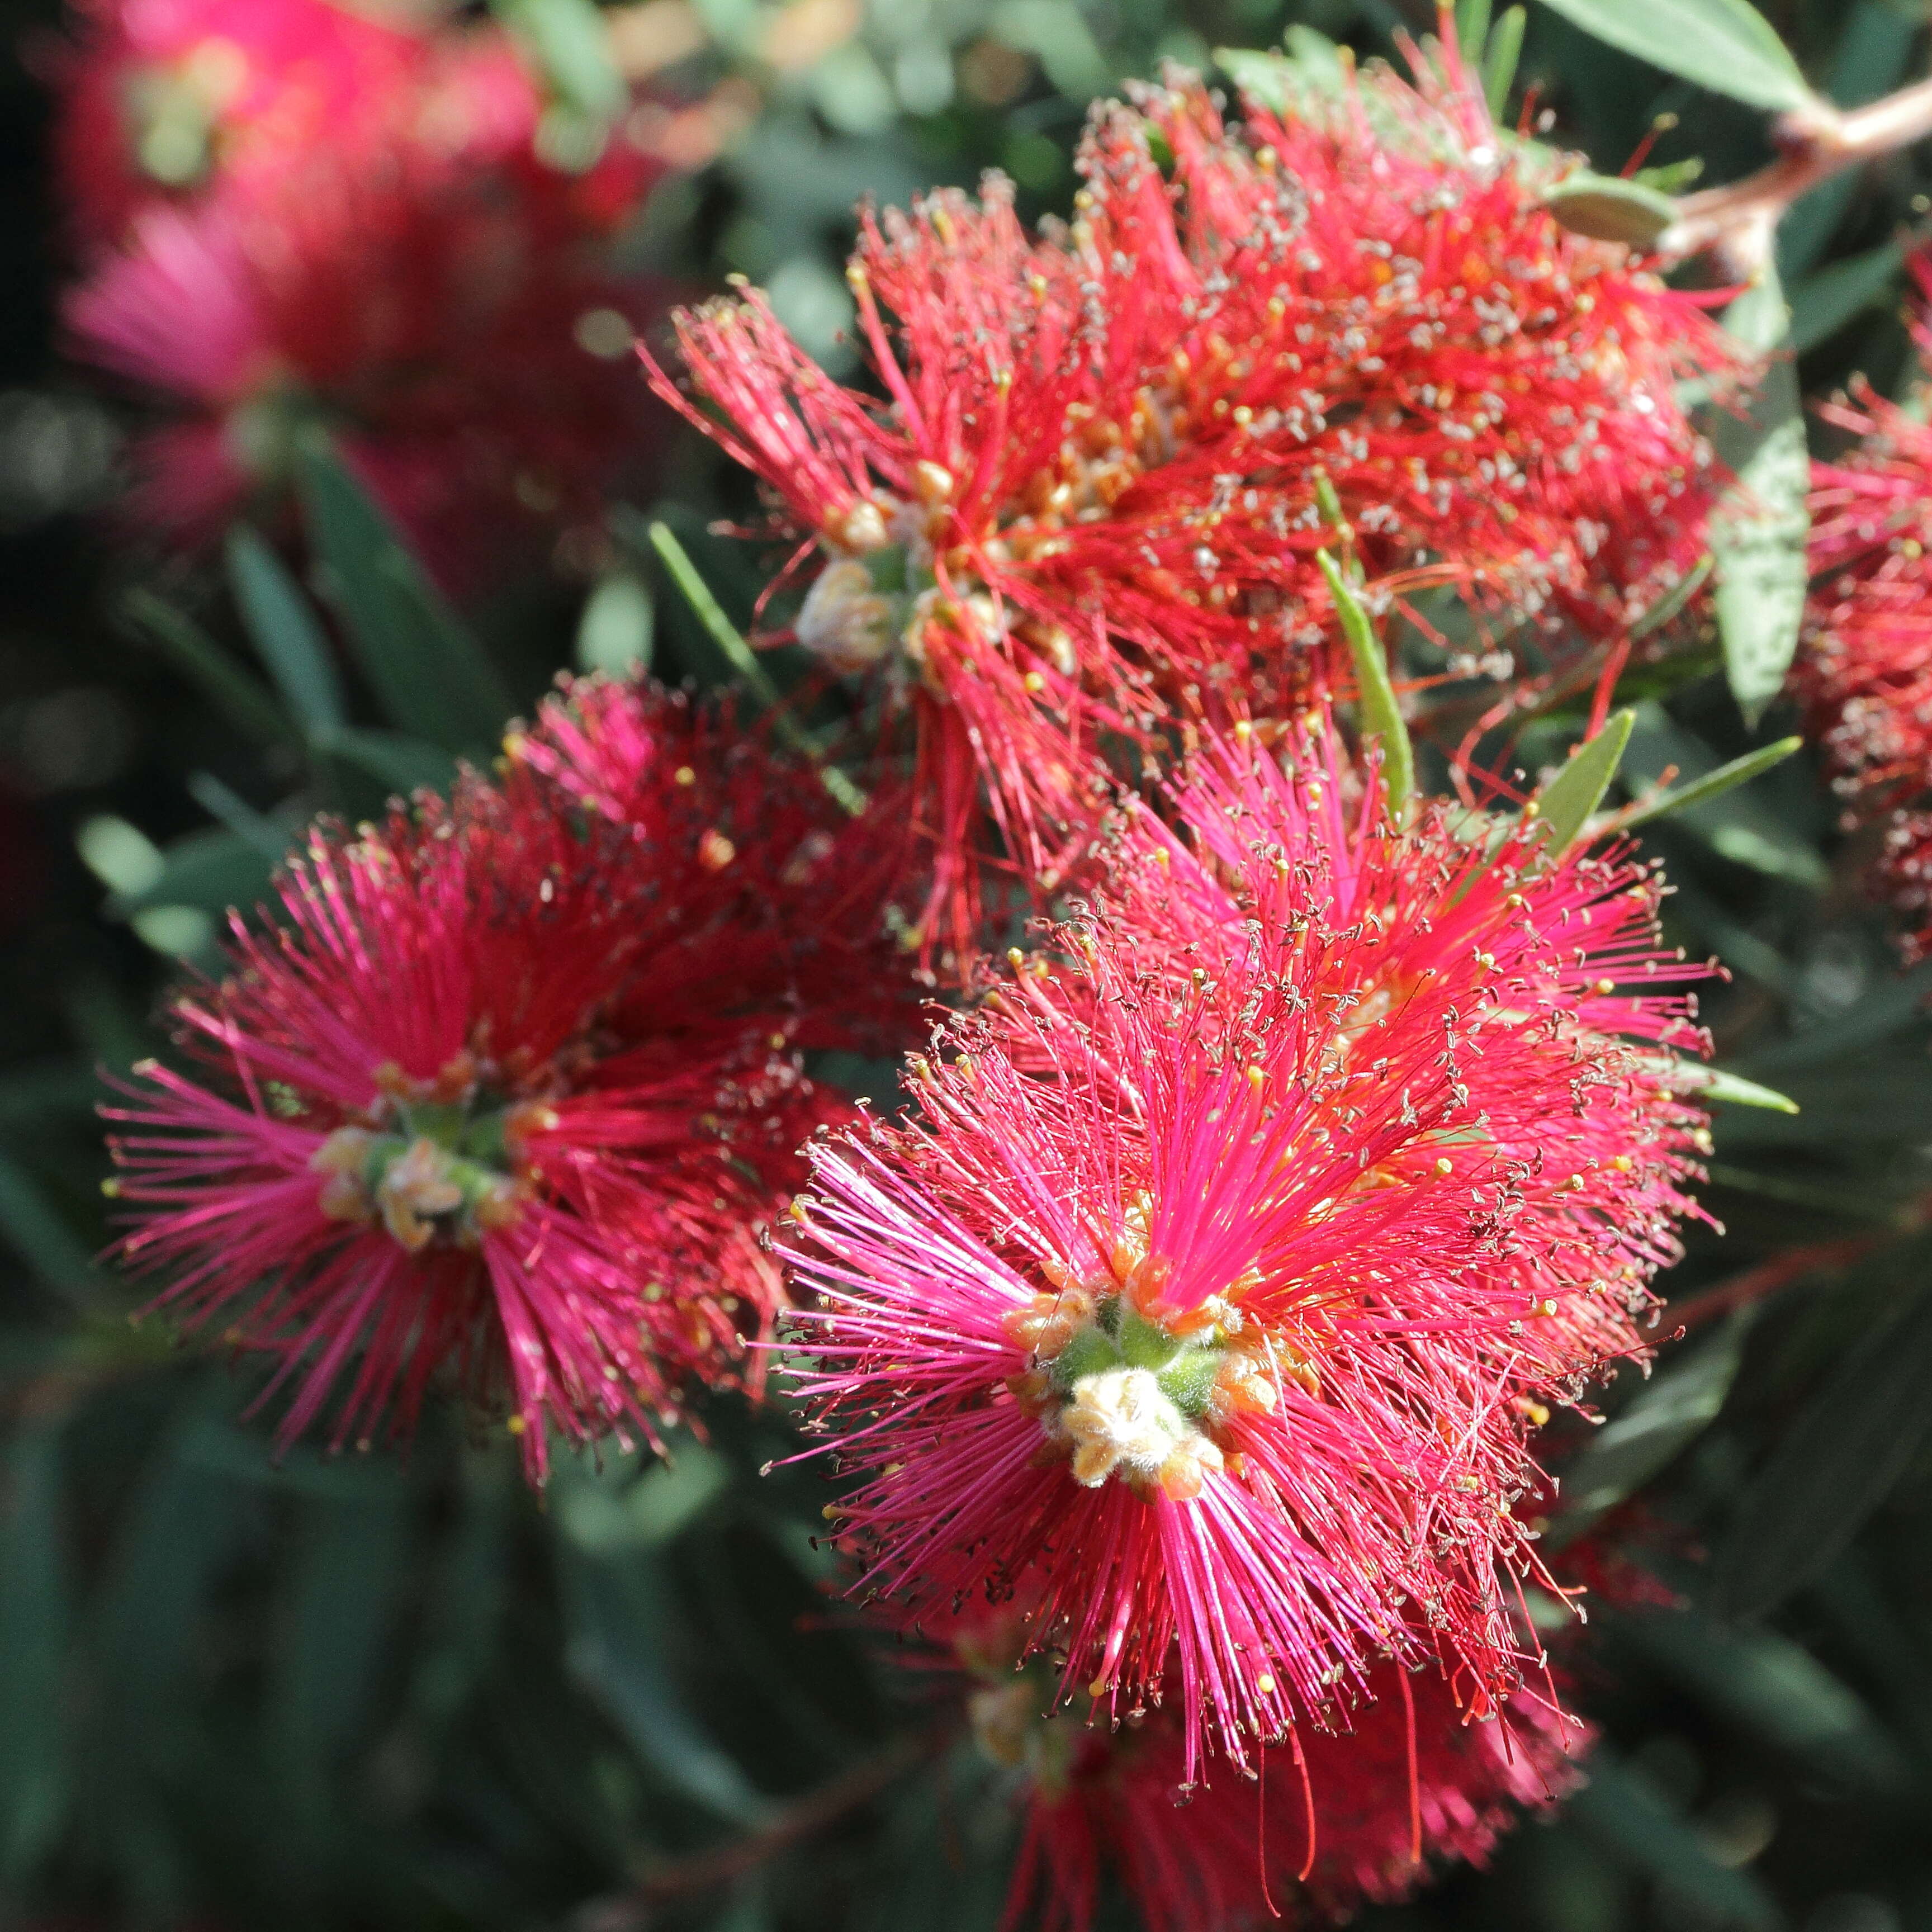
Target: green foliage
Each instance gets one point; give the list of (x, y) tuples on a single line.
[(399, 1693)]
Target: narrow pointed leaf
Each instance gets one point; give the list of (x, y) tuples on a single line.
[(1712, 784), (1834, 1466), (1381, 716), (1675, 1406), (1758, 533), (1727, 46), (1626, 1816), (428, 673), (282, 627), (199, 659), (731, 640), (1565, 804), (1501, 57), (1713, 1083)]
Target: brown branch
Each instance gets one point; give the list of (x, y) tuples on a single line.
[(1753, 1284), (1815, 142), (804, 1817)]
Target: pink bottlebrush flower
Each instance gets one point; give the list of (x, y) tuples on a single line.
[(166, 102), (785, 901), (1089, 498), (1243, 1246), (503, 1091), (417, 279), (1863, 670), (1366, 1814)]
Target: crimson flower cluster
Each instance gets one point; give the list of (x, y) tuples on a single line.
[(1361, 1815), (1863, 672), (291, 211), (512, 1085), (1248, 1235), (1090, 499)]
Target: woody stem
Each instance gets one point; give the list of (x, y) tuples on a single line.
[(1815, 142)]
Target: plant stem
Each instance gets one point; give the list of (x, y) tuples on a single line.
[(1815, 142)]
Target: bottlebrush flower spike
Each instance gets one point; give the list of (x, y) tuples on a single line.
[(1863, 671), (1367, 1814), (167, 102), (1092, 493), (501, 1092), (413, 276), (1243, 1246)]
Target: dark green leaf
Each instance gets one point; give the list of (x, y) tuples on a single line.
[(1727, 46), (1624, 1814), (32, 1227), (428, 673), (1835, 1464), (349, 1569), (1712, 784), (1680, 1401), (1609, 208), (33, 1644), (282, 627), (1758, 535), (199, 659), (619, 1615), (1822, 304), (1566, 803), (400, 763), (211, 870), (1775, 1689)]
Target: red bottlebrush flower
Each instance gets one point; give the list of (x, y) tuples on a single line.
[(170, 100), (417, 279), (1092, 492), (505, 1089), (1863, 670), (1414, 1781), (1242, 1247)]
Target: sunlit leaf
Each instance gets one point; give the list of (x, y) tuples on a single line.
[(1566, 803), (1727, 46)]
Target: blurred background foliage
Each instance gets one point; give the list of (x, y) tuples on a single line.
[(404, 1692)]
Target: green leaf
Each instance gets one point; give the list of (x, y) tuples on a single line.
[(396, 761), (1608, 208), (1501, 58), (618, 1612), (1713, 1083), (1775, 1689), (282, 626), (1625, 1815), (36, 1230), (567, 42), (613, 634), (428, 673), (33, 1643), (211, 870), (349, 1568), (1381, 716), (199, 659), (1833, 1467), (1566, 802), (1727, 46), (1672, 603), (744, 661), (1675, 1406), (1822, 304), (1712, 784), (1758, 531)]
